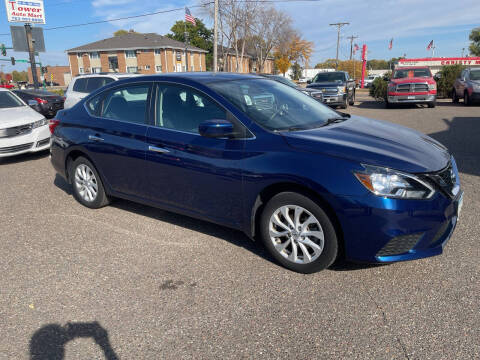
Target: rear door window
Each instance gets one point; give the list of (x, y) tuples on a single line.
[(80, 85), (127, 103)]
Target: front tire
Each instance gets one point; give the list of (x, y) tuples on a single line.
[(432, 104), (298, 233), (454, 96), (352, 100), (87, 186), (466, 99)]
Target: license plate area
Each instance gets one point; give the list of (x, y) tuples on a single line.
[(411, 97)]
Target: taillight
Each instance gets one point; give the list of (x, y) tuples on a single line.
[(52, 124), (41, 101)]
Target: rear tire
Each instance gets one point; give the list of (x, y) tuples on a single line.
[(352, 100), (388, 105), (309, 244), (454, 96), (345, 104), (87, 186)]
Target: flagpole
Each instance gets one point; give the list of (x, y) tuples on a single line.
[(215, 36), (185, 35)]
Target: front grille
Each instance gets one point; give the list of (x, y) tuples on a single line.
[(16, 148), (16, 131), (445, 178), (330, 90), (400, 245), (412, 87)]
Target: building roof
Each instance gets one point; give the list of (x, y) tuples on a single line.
[(134, 41)]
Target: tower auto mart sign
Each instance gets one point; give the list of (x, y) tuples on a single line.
[(467, 61), (26, 11)]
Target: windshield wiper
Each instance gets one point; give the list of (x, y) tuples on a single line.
[(335, 120)]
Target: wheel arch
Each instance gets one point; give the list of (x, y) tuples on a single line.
[(71, 157), (270, 191)]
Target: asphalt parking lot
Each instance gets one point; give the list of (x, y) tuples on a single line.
[(133, 282)]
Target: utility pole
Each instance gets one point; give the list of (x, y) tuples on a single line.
[(31, 53), (463, 50), (351, 44), (339, 26), (215, 36)]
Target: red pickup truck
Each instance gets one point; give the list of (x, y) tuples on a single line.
[(412, 85), (7, 86)]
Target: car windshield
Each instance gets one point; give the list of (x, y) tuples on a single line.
[(8, 100), (411, 73), (284, 80), (329, 77), (274, 106), (475, 75)]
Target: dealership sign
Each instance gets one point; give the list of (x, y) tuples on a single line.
[(467, 61), (31, 11)]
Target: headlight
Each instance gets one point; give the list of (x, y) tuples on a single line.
[(393, 184), (432, 86), (39, 123), (476, 87), (342, 89)]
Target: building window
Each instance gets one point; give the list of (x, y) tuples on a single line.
[(132, 69), (81, 71), (158, 68), (147, 67), (157, 51), (130, 54), (94, 55), (96, 70)]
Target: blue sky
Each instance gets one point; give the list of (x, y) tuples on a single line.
[(411, 23)]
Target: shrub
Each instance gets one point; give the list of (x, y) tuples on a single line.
[(448, 75), (59, 92), (378, 89)]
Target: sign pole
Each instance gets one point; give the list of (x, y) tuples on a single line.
[(31, 53)]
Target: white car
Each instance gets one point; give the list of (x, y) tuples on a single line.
[(82, 85), (22, 129)]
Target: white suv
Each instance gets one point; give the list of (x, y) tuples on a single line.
[(83, 85)]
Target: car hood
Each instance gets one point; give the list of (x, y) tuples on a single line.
[(11, 117), (325, 84), (476, 82), (374, 142)]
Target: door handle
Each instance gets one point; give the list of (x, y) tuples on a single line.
[(158, 149), (94, 138)]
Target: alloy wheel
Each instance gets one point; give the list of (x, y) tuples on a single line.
[(296, 234), (86, 183)]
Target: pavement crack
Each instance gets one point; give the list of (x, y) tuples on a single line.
[(385, 322)]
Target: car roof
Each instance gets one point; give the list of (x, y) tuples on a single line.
[(411, 67), (3, 89), (116, 75), (34, 92), (199, 77)]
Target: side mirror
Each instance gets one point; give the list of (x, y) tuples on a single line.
[(32, 103), (216, 128), (309, 81)]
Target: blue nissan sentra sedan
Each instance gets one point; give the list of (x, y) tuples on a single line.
[(256, 155)]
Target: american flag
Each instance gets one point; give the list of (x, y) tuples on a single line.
[(430, 44), (189, 18), (390, 44), (355, 49)]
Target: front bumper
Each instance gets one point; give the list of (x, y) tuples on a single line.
[(37, 140), (405, 98), (338, 99), (380, 230)]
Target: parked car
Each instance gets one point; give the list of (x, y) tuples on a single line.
[(82, 85), (45, 102), (256, 155), (303, 80), (22, 129), (467, 86), (367, 82), (337, 87), (414, 85), (316, 94)]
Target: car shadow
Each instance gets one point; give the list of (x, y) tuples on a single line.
[(462, 138), (24, 157), (48, 343), (234, 237)]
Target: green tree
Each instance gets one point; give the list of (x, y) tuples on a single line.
[(328, 64), (19, 76), (124, 32), (296, 71), (447, 77), (475, 42), (199, 36)]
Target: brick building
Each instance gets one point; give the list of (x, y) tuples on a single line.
[(143, 53), (61, 75), (249, 63)]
